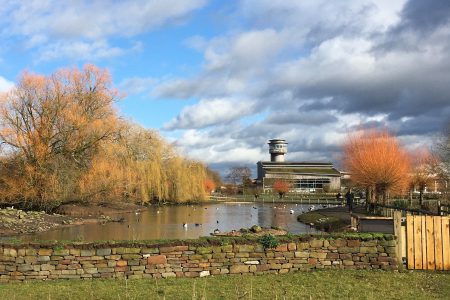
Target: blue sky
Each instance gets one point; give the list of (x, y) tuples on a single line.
[(220, 78)]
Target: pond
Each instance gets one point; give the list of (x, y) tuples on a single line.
[(166, 222)]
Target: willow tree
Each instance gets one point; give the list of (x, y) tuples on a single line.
[(52, 126), (377, 161), (62, 140)]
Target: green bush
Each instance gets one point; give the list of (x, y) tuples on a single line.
[(400, 204), (269, 241)]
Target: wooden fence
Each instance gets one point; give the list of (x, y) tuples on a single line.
[(427, 241)]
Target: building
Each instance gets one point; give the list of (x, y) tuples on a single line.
[(302, 176)]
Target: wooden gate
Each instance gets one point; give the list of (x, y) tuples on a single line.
[(428, 242)]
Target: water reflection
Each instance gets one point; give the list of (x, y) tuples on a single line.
[(166, 222)]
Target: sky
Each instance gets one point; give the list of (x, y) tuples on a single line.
[(220, 78)]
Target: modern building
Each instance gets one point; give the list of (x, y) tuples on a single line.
[(301, 176)]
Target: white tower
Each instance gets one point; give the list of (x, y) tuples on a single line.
[(277, 150)]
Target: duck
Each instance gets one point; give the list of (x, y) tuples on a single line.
[(184, 225), (198, 224), (312, 207), (216, 231), (291, 211)]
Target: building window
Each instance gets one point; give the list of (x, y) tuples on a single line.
[(311, 183)]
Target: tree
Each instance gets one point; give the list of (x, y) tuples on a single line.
[(442, 167), (53, 125), (61, 140), (209, 185), (239, 176), (377, 162), (422, 170), (281, 187)]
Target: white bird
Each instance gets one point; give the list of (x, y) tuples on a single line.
[(184, 225), (157, 211), (312, 207), (291, 211)]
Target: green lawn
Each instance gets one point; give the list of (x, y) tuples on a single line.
[(313, 285)]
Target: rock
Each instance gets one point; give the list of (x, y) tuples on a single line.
[(255, 229)]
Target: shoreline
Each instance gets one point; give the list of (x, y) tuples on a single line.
[(17, 222), (334, 219)]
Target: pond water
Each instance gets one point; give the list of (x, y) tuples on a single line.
[(166, 222)]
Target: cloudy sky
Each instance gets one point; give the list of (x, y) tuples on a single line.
[(220, 78)]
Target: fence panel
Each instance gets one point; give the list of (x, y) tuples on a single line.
[(428, 242)]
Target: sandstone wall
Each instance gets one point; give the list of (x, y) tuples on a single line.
[(69, 261)]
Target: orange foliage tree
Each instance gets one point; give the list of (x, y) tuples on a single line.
[(422, 170), (209, 185), (61, 139), (281, 187), (377, 161)]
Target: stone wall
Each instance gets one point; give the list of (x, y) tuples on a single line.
[(27, 262)]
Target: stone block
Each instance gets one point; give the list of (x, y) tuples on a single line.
[(168, 274), (204, 250), (122, 250), (354, 243), (87, 252), (204, 273), (244, 248), (301, 254), (368, 249), (45, 252), (252, 262), (332, 255), (75, 252), (157, 260), (105, 270), (348, 262), (43, 258), (150, 250), (235, 269), (61, 252), (292, 246), (281, 248), (30, 252), (320, 255), (103, 252), (316, 243), (131, 256), (338, 243)]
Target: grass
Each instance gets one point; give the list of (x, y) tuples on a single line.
[(302, 285), (321, 221), (199, 242)]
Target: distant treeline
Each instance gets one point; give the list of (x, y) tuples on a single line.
[(62, 140)]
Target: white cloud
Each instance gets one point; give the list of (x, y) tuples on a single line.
[(211, 112), (137, 85), (84, 28), (5, 85), (319, 70), (95, 19)]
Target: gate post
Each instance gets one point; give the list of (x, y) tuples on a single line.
[(398, 234)]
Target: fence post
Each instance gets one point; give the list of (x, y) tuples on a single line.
[(399, 236)]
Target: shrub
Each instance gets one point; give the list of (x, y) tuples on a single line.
[(269, 241)]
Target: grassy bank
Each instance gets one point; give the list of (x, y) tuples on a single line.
[(312, 285), (323, 222)]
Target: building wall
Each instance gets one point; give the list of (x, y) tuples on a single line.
[(35, 262)]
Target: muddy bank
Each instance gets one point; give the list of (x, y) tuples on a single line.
[(15, 221)]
